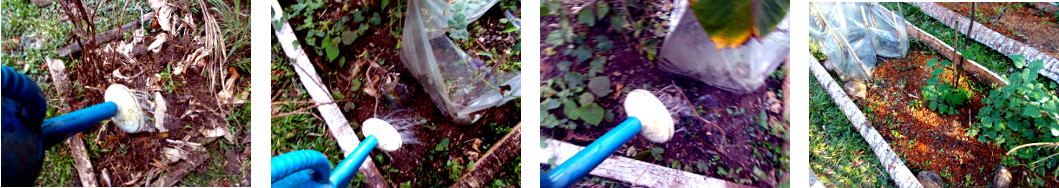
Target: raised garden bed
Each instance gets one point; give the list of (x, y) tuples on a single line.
[(736, 138), (437, 151), (1020, 21), (928, 140)]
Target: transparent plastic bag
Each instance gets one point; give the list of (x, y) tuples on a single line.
[(879, 33), (688, 51), (889, 36), (459, 85)]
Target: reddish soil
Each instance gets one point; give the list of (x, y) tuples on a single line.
[(924, 139), (1024, 23), (418, 164), (740, 144)]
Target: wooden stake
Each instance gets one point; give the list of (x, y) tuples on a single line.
[(494, 160), (330, 113), (632, 171), (886, 155), (77, 146)]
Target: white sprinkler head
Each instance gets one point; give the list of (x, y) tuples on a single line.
[(130, 116), (389, 138), (654, 117)]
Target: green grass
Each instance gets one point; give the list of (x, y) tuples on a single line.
[(838, 154), (58, 156), (302, 131)]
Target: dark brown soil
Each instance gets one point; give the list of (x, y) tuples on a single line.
[(417, 164), (924, 139), (192, 106), (742, 145), (1023, 23)]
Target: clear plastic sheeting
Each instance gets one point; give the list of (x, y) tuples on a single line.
[(459, 85), (688, 51), (853, 34)]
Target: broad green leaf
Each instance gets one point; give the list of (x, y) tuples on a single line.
[(564, 66), (444, 145), (603, 44), (592, 113), (596, 66), (732, 23), (1018, 60), (555, 37), (587, 17), (1032, 110), (348, 37), (602, 9), (375, 19), (581, 54), (550, 103), (586, 98), (600, 85), (570, 110), (331, 48)]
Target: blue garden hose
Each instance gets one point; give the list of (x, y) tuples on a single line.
[(587, 159), (309, 168), (59, 128), (647, 116), (26, 135), (345, 171)]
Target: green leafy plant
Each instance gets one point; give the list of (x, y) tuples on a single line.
[(943, 97), (458, 23), (326, 36), (576, 96), (1021, 112)]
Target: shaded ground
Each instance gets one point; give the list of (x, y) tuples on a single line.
[(1020, 21), (126, 159), (748, 149), (443, 150)]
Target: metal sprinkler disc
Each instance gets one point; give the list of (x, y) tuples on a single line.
[(389, 138), (130, 116), (654, 117)]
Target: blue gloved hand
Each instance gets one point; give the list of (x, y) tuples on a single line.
[(23, 144), (304, 168), (302, 178)]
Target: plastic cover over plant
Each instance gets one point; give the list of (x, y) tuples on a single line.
[(861, 30), (688, 51), (458, 84)]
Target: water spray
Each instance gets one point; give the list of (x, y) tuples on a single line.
[(647, 116), (297, 168)]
